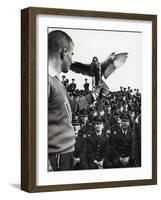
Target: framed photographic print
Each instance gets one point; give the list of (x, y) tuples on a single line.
[(88, 99)]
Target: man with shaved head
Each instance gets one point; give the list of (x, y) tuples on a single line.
[(61, 137)]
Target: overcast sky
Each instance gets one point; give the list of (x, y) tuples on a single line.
[(89, 43)]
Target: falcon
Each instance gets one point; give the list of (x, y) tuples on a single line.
[(113, 62), (96, 70)]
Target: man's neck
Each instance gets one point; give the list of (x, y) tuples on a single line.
[(54, 67), (98, 133), (124, 130)]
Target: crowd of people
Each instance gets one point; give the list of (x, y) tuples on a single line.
[(108, 131)]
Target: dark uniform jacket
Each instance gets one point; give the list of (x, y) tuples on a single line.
[(81, 152), (98, 148), (86, 87), (86, 130), (136, 144), (110, 118), (121, 143), (72, 87), (80, 147)]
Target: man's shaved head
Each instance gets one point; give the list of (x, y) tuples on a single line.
[(57, 41)]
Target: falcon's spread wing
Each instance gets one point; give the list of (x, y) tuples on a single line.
[(113, 62), (81, 68), (120, 59), (109, 70)]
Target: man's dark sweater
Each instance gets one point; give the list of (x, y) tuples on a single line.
[(61, 137)]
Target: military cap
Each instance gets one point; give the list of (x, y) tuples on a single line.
[(75, 117), (131, 108), (124, 118), (98, 120), (84, 113), (76, 122)]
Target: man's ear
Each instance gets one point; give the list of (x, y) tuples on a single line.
[(63, 52)]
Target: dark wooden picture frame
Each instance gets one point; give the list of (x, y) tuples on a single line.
[(28, 98)]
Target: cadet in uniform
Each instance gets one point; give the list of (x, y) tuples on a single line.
[(98, 147), (72, 85), (86, 86), (80, 152), (63, 80), (86, 128), (121, 142)]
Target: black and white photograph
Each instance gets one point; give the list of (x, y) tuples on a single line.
[(91, 117), (94, 99)]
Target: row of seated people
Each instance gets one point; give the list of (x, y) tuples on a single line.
[(100, 144), (71, 87)]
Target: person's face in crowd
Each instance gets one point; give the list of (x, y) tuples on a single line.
[(94, 114), (126, 106), (102, 112), (121, 108), (67, 83), (76, 129), (63, 78), (125, 124), (124, 98), (108, 109), (67, 58), (116, 116), (119, 121), (132, 115), (130, 101), (84, 119), (108, 132), (98, 126)]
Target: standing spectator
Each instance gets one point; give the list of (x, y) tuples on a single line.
[(86, 86), (72, 85), (63, 80), (86, 128)]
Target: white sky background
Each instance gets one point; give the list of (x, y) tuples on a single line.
[(89, 43)]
